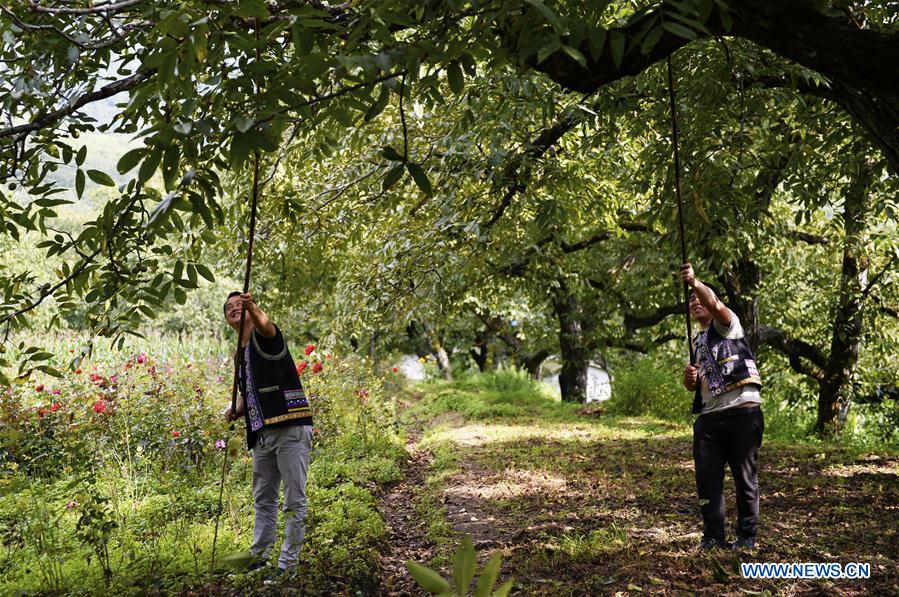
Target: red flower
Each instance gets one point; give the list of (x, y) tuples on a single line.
[(328, 357), (55, 407), (94, 377), (99, 407), (55, 392), (71, 350), (176, 434), (300, 366), (317, 367), (395, 369), (309, 349), (41, 412), (77, 371), (39, 387)]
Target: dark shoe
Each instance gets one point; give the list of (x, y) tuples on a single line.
[(256, 565), (710, 543), (274, 576), (744, 543)]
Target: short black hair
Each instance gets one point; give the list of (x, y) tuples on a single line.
[(225, 306)]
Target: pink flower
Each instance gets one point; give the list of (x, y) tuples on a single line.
[(363, 392), (55, 407), (100, 407), (55, 392), (71, 505), (317, 367), (309, 349), (142, 358), (327, 357), (176, 434), (220, 444), (300, 366)]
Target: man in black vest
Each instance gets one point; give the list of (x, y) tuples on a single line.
[(279, 430), (726, 385)]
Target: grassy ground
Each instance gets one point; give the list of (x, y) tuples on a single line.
[(582, 502)]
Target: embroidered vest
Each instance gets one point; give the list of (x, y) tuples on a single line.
[(726, 364), (271, 388)]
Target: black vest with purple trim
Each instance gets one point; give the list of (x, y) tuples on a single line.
[(726, 364), (275, 397)]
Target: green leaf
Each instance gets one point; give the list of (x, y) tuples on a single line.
[(82, 153), (616, 45), (170, 164), (548, 50), (253, 8), (50, 370), (504, 589), (392, 176), (420, 178), (456, 78), (463, 569), (575, 55), (651, 39), (597, 40), (241, 146), (391, 154), (428, 579), (549, 15), (303, 41), (679, 30), (101, 178), (204, 271), (128, 161), (79, 183), (378, 105), (180, 295), (240, 560), (488, 576), (149, 165)]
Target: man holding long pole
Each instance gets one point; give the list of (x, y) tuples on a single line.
[(726, 385), (279, 429)]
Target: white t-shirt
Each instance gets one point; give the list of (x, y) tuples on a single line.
[(748, 394)]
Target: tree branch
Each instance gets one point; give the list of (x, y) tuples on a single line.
[(49, 118), (795, 350)]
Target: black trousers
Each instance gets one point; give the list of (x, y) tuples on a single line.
[(731, 437)]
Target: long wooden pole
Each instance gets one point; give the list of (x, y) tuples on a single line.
[(680, 204)]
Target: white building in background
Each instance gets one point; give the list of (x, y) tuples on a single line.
[(599, 382)]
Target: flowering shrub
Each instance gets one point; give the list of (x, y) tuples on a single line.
[(109, 477)]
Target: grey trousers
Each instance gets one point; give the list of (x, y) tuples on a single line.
[(280, 455)]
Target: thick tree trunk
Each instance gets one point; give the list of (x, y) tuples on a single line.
[(480, 352), (743, 283), (531, 362), (437, 349), (572, 347), (834, 388)]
